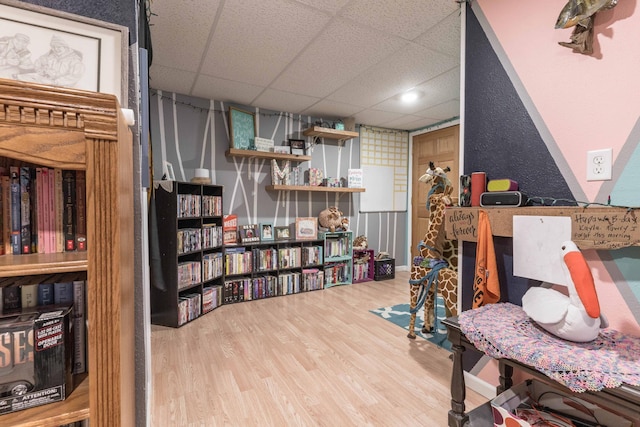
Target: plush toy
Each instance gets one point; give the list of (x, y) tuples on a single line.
[(332, 219), (576, 317), (360, 242)]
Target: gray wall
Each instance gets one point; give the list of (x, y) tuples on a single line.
[(193, 133)]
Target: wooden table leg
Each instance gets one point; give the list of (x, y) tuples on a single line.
[(457, 417), (506, 376)]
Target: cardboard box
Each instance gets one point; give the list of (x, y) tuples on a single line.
[(36, 357), (519, 397)]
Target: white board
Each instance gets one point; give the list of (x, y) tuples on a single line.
[(537, 242)]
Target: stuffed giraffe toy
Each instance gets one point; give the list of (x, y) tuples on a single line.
[(436, 267)]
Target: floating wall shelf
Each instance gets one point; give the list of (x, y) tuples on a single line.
[(314, 188), (234, 152)]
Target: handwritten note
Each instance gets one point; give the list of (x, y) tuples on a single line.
[(605, 230), (461, 224)]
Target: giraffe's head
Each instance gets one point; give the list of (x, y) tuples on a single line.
[(436, 177)]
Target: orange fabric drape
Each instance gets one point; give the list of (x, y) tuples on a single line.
[(486, 286)]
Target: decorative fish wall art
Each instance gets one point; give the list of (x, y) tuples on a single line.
[(580, 14)]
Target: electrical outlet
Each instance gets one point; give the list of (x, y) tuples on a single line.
[(599, 164)]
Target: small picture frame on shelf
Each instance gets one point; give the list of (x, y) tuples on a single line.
[(249, 233), (266, 232), (307, 228), (297, 146), (282, 233)]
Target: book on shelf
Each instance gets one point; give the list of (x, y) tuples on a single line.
[(69, 209), (40, 212), (79, 331), (29, 295), (81, 210), (15, 210), (45, 294), (11, 299), (5, 193), (56, 208), (63, 293), (25, 210)]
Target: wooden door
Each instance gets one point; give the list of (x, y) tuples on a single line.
[(442, 147)]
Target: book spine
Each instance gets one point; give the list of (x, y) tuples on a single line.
[(57, 211), (46, 213), (79, 318), (15, 210), (29, 295), (69, 209), (81, 211), (45, 294), (25, 209), (5, 189), (40, 210), (11, 299), (63, 293)]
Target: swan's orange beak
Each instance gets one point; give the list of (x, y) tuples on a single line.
[(583, 282)]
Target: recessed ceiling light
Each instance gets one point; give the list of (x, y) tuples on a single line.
[(409, 96)]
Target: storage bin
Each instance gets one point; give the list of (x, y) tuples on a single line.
[(385, 269)]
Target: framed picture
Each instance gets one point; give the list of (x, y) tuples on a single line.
[(297, 146), (249, 233), (242, 129), (307, 228), (266, 232), (282, 233), (50, 47)]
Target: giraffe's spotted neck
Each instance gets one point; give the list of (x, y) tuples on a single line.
[(434, 238)]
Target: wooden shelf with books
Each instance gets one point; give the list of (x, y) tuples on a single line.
[(62, 128), (235, 152), (363, 265), (187, 275), (316, 188)]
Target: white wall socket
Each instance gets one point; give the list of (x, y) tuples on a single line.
[(599, 164)]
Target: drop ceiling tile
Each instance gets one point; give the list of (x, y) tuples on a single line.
[(443, 111), (331, 109), (375, 117), (338, 55), (331, 6), (410, 66), (284, 101), (409, 122), (180, 30), (444, 37), (404, 18), (170, 79), (225, 90), (255, 39)]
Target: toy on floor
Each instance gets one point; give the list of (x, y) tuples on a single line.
[(435, 269), (576, 317)]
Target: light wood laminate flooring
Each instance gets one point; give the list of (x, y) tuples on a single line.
[(312, 359)]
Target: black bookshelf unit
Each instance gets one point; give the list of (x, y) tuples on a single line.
[(188, 231)]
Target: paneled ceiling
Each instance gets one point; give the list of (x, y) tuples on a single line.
[(324, 58)]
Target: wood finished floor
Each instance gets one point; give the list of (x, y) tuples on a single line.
[(312, 359)]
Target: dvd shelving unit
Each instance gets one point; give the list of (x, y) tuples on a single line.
[(188, 232), (55, 127), (338, 258), (272, 268)]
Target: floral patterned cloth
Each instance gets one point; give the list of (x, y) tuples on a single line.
[(503, 330)]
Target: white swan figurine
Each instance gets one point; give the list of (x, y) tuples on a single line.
[(575, 317)]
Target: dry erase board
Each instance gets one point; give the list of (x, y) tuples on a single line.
[(242, 127)]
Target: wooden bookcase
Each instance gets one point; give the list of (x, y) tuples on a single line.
[(338, 258), (73, 129), (185, 219), (266, 269)]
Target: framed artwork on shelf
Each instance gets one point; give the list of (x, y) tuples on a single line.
[(51, 47), (249, 233), (282, 233), (266, 232), (242, 129), (297, 146), (307, 228)]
